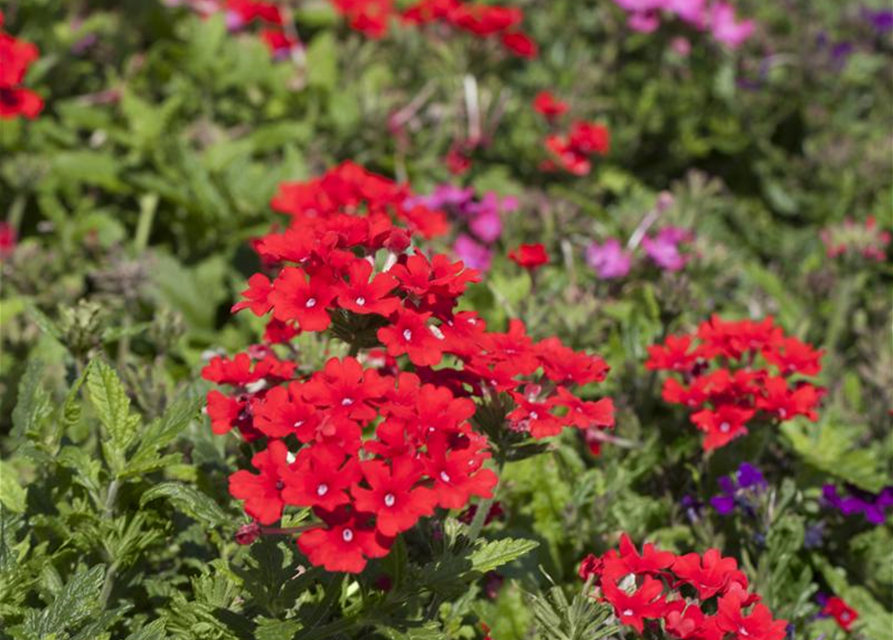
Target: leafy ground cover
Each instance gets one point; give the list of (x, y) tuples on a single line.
[(445, 319)]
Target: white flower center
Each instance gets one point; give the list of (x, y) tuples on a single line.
[(346, 402), (290, 457), (347, 535), (389, 500), (782, 413), (725, 427), (407, 335), (311, 302), (298, 423), (444, 476), (361, 301), (322, 490), (742, 632), (534, 415), (844, 616), (627, 612)]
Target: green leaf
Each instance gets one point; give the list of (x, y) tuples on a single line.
[(832, 448), (152, 631), (12, 495), (33, 403), (499, 552), (78, 601), (190, 501), (268, 629), (109, 399), (322, 61), (160, 433)]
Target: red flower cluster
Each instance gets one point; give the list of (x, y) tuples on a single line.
[(372, 449), (571, 152), (736, 372), (15, 58), (678, 592), (371, 17), (843, 613)]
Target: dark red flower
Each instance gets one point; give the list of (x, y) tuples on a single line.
[(520, 44), (296, 297), (320, 477)]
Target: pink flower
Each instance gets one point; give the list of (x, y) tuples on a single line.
[(609, 259), (472, 252)]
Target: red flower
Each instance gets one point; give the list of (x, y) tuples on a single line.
[(305, 300), (549, 106), (628, 560), (410, 334), (792, 356), (788, 403), (676, 354), (262, 492), (588, 138), (346, 542), (536, 417), (591, 565), (457, 474), (346, 389), (568, 157), (646, 602), (15, 58), (758, 625), (710, 574), (320, 477), (583, 414), (257, 296), (843, 613), (564, 365), (8, 239), (283, 412), (529, 256), (722, 425), (361, 296), (394, 497), (224, 412), (520, 44)]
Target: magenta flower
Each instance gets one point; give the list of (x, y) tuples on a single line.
[(472, 253), (609, 259), (663, 248)]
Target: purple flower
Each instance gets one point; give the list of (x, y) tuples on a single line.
[(734, 490), (472, 253), (813, 536), (871, 506), (663, 248), (882, 20), (445, 197), (749, 477), (609, 259)]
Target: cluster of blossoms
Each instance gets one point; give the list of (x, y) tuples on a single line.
[(15, 58), (481, 220), (240, 14), (873, 506), (738, 490), (573, 151), (853, 240), (723, 382), (691, 596), (716, 16), (372, 18), (371, 448), (835, 607)]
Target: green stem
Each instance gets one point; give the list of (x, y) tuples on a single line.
[(16, 212), (480, 516), (148, 206)]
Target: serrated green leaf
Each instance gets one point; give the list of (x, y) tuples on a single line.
[(190, 501), (12, 495), (499, 552), (78, 600), (33, 404), (268, 629), (152, 631), (112, 405), (831, 448)]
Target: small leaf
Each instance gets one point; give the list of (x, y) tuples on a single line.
[(109, 399), (190, 501), (499, 552), (33, 403), (12, 495), (152, 631)]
